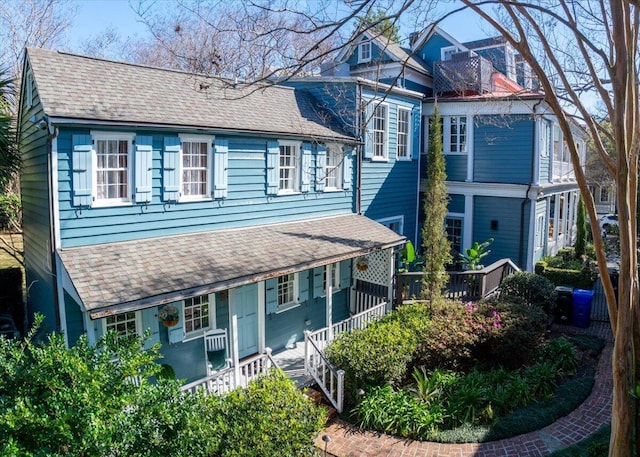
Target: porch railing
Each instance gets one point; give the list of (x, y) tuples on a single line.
[(329, 378), (233, 377), (462, 285)]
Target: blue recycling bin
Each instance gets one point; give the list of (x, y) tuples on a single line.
[(582, 307)]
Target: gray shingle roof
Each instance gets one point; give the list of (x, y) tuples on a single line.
[(79, 87), (410, 59), (129, 275)]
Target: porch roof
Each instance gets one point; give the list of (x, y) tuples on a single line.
[(116, 277)]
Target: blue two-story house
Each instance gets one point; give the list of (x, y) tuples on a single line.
[(509, 173), (235, 205)]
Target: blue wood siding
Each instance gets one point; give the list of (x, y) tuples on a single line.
[(246, 204), (74, 318), (509, 240), (456, 203), (499, 140), (456, 167), (389, 188), (36, 219), (430, 50)]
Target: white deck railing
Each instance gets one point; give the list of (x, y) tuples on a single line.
[(330, 379), (231, 378)]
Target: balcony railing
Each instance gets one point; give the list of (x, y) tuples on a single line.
[(462, 285), (462, 75)]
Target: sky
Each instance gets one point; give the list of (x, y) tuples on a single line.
[(94, 16)]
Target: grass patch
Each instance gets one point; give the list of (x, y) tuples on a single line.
[(596, 445), (567, 397), (15, 241)]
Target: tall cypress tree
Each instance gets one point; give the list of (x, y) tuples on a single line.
[(436, 250)]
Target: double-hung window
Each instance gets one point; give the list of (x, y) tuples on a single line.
[(453, 226), (458, 134), (364, 52), (403, 134), (289, 167), (540, 232), (112, 168), (380, 128), (287, 291), (195, 167), (333, 170), (125, 324), (196, 314)]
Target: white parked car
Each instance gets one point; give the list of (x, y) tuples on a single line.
[(607, 221)]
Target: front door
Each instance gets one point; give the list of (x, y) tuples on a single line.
[(244, 303)]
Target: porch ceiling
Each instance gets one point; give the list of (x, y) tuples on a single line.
[(116, 277)]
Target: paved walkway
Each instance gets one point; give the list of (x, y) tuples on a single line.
[(348, 441)]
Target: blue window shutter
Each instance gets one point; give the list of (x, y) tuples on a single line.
[(318, 282), (321, 167), (176, 333), (271, 295), (305, 178), (414, 133), (150, 321), (171, 169), (303, 286), (345, 274), (220, 168), (82, 169), (368, 131), (347, 170), (273, 155), (143, 169)]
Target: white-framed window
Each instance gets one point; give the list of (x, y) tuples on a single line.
[(557, 147), (333, 171), (404, 134), (113, 167), (395, 223), (334, 268), (448, 51), (540, 232), (195, 162), (127, 325), (457, 135), (289, 167), (604, 194), (364, 51), (197, 314), (545, 133), (510, 61), (380, 130), (287, 291), (453, 226)]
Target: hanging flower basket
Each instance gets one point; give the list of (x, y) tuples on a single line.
[(169, 316), (362, 264)]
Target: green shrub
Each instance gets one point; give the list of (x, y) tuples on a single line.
[(398, 413), (542, 378), (562, 354), (518, 338), (10, 211), (377, 355), (271, 417), (531, 289)]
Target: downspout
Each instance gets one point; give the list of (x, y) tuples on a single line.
[(52, 133), (526, 195)]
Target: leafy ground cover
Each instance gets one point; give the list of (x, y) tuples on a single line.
[(470, 372)]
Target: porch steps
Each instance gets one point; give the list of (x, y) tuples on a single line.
[(319, 399)]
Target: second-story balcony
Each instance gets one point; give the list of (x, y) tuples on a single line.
[(463, 75)]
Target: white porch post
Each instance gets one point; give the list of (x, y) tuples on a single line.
[(329, 302), (234, 349), (392, 259)]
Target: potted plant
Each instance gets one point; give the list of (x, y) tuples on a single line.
[(362, 264), (169, 315)]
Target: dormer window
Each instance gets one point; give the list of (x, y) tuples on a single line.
[(364, 52), (447, 52)]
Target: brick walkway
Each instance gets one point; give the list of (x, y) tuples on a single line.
[(348, 441)]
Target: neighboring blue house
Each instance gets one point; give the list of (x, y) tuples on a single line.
[(145, 187), (509, 173)]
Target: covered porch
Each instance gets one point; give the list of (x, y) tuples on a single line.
[(265, 287)]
